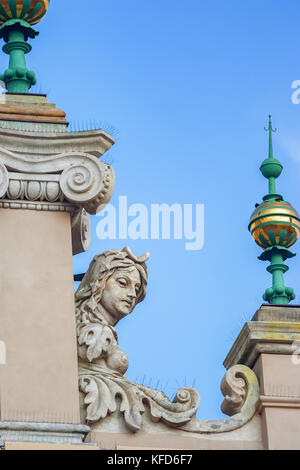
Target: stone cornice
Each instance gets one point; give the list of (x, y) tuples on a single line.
[(39, 145), (262, 337)]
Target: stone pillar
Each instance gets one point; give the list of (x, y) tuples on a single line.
[(50, 179), (270, 345)]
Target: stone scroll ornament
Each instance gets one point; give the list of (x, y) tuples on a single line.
[(68, 181), (113, 285), (75, 177)]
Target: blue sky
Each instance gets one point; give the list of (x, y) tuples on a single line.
[(189, 86)]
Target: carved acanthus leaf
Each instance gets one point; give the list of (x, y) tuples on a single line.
[(96, 338), (102, 388), (101, 394), (176, 413)]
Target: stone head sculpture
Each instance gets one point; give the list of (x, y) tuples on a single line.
[(113, 285)]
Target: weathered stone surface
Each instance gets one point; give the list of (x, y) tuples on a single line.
[(30, 108), (43, 432), (257, 337), (40, 143), (109, 434), (278, 313), (270, 344)]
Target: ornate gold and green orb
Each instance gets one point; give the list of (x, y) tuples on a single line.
[(31, 11), (275, 223), (275, 226)]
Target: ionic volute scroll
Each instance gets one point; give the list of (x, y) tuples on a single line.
[(77, 178)]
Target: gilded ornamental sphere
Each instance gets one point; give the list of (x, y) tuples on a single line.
[(31, 11), (275, 223)]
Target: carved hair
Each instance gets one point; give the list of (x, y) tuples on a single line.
[(101, 269)]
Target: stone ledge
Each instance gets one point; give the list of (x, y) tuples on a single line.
[(279, 313), (14, 445), (278, 402), (38, 144), (269, 337), (30, 108), (38, 205), (56, 433)]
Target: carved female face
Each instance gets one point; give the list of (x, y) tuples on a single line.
[(120, 293)]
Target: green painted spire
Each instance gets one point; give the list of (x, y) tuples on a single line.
[(271, 130), (275, 227), (271, 168)]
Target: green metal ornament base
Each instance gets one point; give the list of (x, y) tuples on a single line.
[(17, 78), (278, 293)]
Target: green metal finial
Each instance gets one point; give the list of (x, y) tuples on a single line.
[(278, 293), (16, 20), (271, 168), (270, 130), (17, 78), (275, 227)]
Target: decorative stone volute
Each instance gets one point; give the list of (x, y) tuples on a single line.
[(43, 171)]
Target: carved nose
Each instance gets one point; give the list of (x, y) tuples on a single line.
[(132, 294)]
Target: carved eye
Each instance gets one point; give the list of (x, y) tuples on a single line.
[(122, 282), (137, 288)]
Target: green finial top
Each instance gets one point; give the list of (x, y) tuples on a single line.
[(271, 168), (16, 20), (275, 227), (271, 130)]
